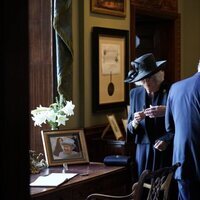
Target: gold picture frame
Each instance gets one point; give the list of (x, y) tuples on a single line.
[(109, 7), (109, 68), (125, 122), (64, 146), (128, 109), (115, 127)]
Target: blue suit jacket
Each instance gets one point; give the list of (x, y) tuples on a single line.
[(183, 125)]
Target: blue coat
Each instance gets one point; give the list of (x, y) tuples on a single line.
[(183, 125), (148, 130), (137, 103)]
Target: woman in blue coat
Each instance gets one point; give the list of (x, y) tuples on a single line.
[(146, 121)]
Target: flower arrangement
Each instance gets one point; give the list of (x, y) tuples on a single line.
[(55, 115)]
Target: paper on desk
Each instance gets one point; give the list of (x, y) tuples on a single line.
[(53, 179)]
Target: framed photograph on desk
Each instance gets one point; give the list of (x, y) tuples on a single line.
[(115, 127), (64, 146)]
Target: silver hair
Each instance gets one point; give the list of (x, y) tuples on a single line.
[(198, 66), (158, 77)]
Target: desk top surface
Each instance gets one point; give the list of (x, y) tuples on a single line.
[(86, 172)]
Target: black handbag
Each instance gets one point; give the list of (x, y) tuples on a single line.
[(117, 160)]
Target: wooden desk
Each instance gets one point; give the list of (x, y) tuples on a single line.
[(101, 179)]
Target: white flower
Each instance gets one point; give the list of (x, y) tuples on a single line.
[(51, 116), (62, 119), (55, 115), (68, 109)]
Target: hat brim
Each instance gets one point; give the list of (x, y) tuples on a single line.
[(145, 74)]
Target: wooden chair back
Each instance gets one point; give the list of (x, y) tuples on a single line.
[(156, 183)]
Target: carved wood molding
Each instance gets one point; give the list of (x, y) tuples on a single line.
[(162, 5), (178, 48)]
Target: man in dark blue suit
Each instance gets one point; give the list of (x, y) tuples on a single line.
[(183, 127), (146, 118)]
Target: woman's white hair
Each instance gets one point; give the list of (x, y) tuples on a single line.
[(198, 68), (158, 77)]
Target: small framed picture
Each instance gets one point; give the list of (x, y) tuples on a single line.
[(128, 108), (115, 127), (64, 146), (109, 7), (125, 122)]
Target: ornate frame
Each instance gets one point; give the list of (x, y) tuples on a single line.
[(111, 7), (53, 142)]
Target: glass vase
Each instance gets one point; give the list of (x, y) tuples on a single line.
[(53, 128)]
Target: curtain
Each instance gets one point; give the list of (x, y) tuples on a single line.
[(62, 23)]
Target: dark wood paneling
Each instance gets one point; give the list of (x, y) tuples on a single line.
[(99, 147), (153, 5), (159, 31), (41, 62)]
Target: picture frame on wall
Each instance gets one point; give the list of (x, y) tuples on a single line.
[(109, 68), (64, 146), (109, 7)]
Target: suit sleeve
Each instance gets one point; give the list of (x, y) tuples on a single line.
[(169, 123)]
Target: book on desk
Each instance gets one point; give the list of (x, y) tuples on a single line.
[(53, 179)]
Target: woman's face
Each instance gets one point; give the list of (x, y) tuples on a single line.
[(67, 148), (152, 83)]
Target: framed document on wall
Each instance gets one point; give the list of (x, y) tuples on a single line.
[(109, 68)]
